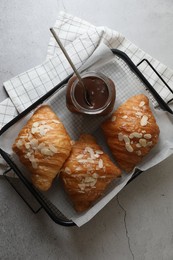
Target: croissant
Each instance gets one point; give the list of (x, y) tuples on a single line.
[(131, 132), (87, 172), (42, 146)]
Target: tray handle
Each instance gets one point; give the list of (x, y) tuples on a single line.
[(12, 181), (159, 76), (44, 203)]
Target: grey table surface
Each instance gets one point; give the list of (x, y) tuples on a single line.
[(139, 223)]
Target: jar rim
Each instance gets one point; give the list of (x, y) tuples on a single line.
[(88, 110)]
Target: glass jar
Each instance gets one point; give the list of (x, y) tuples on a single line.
[(100, 92)]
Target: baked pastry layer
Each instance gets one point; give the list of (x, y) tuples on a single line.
[(87, 172), (42, 146), (131, 132)]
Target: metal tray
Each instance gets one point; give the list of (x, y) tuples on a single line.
[(124, 71)]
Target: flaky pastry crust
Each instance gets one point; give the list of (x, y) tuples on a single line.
[(87, 172), (131, 132), (42, 146)]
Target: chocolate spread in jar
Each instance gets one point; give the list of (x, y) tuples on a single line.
[(100, 93)]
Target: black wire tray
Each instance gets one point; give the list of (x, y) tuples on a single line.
[(37, 200)]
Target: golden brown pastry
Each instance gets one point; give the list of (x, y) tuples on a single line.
[(131, 132), (87, 172), (43, 145)]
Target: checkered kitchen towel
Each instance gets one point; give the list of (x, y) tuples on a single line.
[(81, 39)]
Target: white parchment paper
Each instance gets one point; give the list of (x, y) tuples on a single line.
[(127, 85)]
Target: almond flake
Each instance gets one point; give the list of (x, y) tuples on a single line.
[(150, 143), (144, 120), (78, 168), (138, 145), (96, 155), (126, 139), (129, 148), (142, 103), (138, 153), (90, 160), (125, 116), (135, 134), (89, 179), (80, 156), (41, 146), (53, 148), (27, 145), (72, 142), (81, 186), (138, 113), (113, 118), (34, 164), (143, 142), (99, 152), (34, 130), (90, 151), (19, 144), (100, 163), (67, 170), (46, 151), (56, 121), (82, 161), (147, 136), (35, 124)]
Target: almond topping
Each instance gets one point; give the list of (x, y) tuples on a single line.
[(81, 186), (82, 161), (125, 116), (55, 121), (129, 148), (80, 156), (34, 164), (35, 124), (113, 118), (138, 153), (27, 145), (150, 143), (144, 120), (100, 164), (19, 144), (138, 113), (143, 142), (138, 145), (126, 139), (72, 142), (53, 148), (78, 168), (135, 134), (41, 146), (67, 170), (147, 136), (142, 103), (99, 152), (46, 151)]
